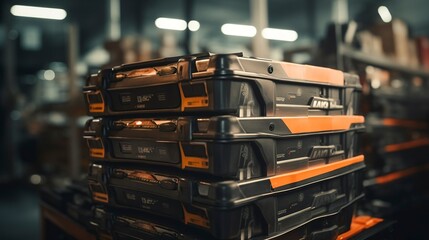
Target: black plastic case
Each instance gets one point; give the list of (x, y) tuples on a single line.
[(394, 135), (221, 84), (128, 225), (399, 184), (394, 144), (227, 146), (401, 104), (251, 208)]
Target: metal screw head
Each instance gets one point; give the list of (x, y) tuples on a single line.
[(270, 69), (271, 126)]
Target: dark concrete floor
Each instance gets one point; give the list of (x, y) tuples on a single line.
[(19, 212)]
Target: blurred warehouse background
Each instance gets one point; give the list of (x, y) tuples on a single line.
[(44, 63)]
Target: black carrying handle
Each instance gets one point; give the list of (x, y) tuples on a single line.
[(325, 198), (324, 234), (158, 62)]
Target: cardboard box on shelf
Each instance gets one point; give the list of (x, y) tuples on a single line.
[(394, 37), (423, 51)]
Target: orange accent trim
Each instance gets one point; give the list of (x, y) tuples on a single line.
[(194, 162), (100, 197), (359, 224), (313, 73), (297, 176), (321, 123), (193, 102), (392, 122), (406, 145), (96, 152), (95, 107), (367, 221), (191, 218), (400, 174)]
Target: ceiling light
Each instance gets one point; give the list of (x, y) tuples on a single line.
[(38, 12), (280, 34), (238, 30), (97, 57), (49, 75), (171, 24), (193, 25), (384, 13)]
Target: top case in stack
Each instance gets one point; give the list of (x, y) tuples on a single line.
[(222, 84)]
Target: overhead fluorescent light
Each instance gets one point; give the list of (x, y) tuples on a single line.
[(193, 25), (38, 12), (238, 30), (384, 13), (97, 57), (280, 34), (49, 75), (171, 24)]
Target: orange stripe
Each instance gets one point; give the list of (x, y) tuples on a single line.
[(400, 174), (391, 122), (406, 145), (313, 73), (358, 225), (297, 176), (321, 123)]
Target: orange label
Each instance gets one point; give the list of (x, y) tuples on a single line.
[(95, 107), (297, 176), (191, 218), (193, 102), (96, 152), (321, 123), (194, 162), (100, 197)]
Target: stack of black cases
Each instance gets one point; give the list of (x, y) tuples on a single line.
[(397, 148), (223, 147)]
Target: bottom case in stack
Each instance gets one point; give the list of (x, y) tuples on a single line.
[(231, 209), (124, 224)]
